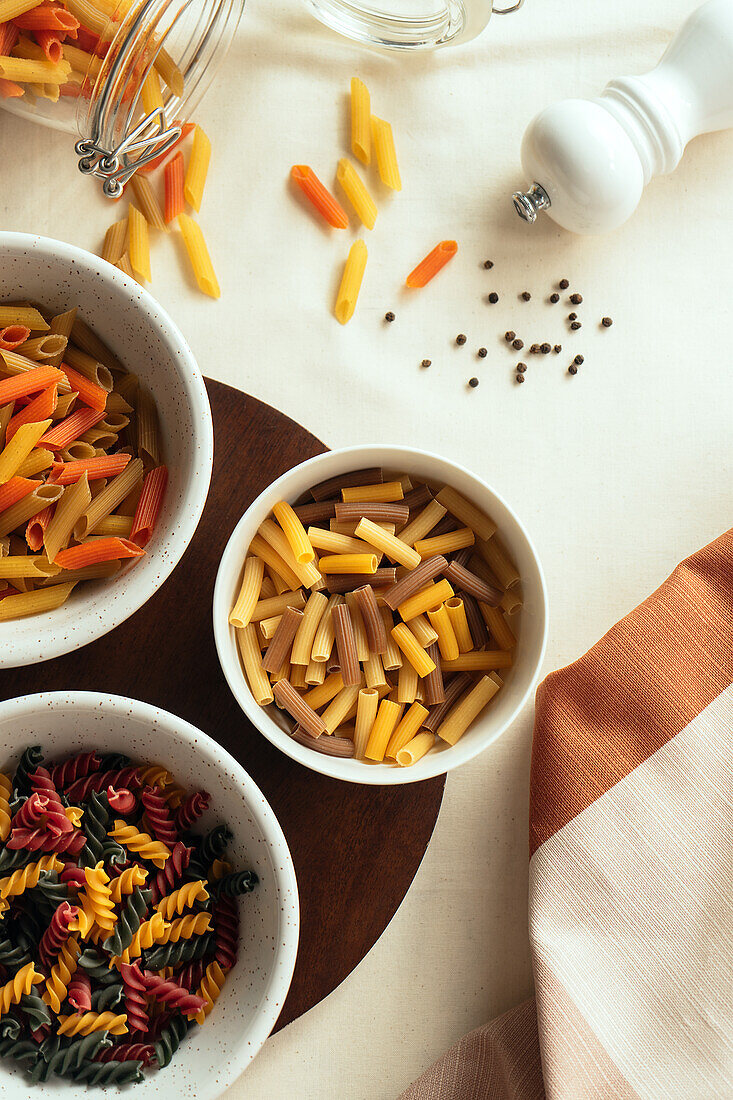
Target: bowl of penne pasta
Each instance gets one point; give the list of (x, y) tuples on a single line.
[(380, 614), (106, 447), (150, 916)]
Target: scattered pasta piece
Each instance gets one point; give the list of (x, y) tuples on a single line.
[(351, 282), (434, 262), (327, 206), (198, 255)]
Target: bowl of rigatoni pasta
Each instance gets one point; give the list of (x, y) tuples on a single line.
[(106, 447), (380, 614)]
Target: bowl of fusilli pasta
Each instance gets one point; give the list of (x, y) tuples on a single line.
[(148, 904)]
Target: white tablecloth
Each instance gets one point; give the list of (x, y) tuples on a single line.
[(618, 473)]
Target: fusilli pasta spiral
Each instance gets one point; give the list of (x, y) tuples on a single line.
[(140, 843)]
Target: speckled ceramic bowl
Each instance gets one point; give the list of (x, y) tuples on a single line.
[(147, 341), (530, 624), (212, 1056)]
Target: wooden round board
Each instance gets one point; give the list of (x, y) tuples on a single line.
[(356, 848)]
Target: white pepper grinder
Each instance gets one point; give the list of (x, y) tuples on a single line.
[(589, 160)]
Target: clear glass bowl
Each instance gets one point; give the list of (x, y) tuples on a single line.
[(153, 61)]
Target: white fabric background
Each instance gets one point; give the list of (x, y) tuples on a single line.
[(618, 473)]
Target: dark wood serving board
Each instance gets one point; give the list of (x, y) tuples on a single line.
[(356, 848)]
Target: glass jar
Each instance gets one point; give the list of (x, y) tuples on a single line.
[(408, 24), (146, 66)]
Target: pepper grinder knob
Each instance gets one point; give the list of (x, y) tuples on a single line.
[(590, 160)]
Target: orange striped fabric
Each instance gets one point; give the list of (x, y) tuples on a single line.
[(631, 833)]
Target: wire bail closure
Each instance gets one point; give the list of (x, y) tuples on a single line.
[(110, 165)]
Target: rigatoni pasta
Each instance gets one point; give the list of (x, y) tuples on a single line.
[(382, 649), (66, 482)]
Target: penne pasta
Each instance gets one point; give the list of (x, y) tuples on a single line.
[(351, 281), (313, 613), (468, 708), (294, 532), (384, 151), (415, 749), (434, 262), (39, 601), (361, 110), (139, 246), (19, 448), (146, 197), (357, 193), (115, 242), (198, 167), (406, 729), (320, 198), (257, 679), (175, 202), (241, 613), (198, 255)]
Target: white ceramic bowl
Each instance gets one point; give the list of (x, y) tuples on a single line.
[(147, 341), (211, 1057), (530, 624)]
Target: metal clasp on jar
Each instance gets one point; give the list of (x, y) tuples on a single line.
[(110, 164)]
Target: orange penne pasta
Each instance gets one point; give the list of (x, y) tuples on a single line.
[(186, 129), (149, 505), (48, 17), (50, 43), (428, 268), (36, 527), (175, 202), (14, 490), (12, 336), (89, 392), (96, 550), (70, 428), (40, 408), (10, 90), (30, 381), (66, 473), (324, 202)]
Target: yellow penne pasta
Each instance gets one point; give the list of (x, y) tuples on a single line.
[(19, 447), (351, 282), (357, 193), (198, 255), (361, 110), (139, 243), (23, 70), (415, 750), (148, 201), (151, 95), (384, 150), (468, 707), (36, 602), (23, 315), (198, 167)]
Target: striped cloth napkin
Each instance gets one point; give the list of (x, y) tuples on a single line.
[(631, 870)]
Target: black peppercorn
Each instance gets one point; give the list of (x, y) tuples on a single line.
[(606, 322), (473, 383), (575, 326), (572, 316), (389, 316), (517, 344), (554, 298), (525, 296), (482, 353), (520, 378), (460, 339), (576, 299), (521, 368), (545, 348), (493, 297), (572, 369), (579, 360), (426, 363), (557, 349), (564, 284), (509, 336), (535, 349), (488, 264)]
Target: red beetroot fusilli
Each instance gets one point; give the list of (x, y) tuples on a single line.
[(76, 767), (128, 1052), (42, 783), (226, 931), (191, 974), (175, 865), (121, 800), (79, 992), (99, 781), (73, 876), (40, 840), (191, 809), (57, 933), (158, 816), (134, 991), (171, 993)]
